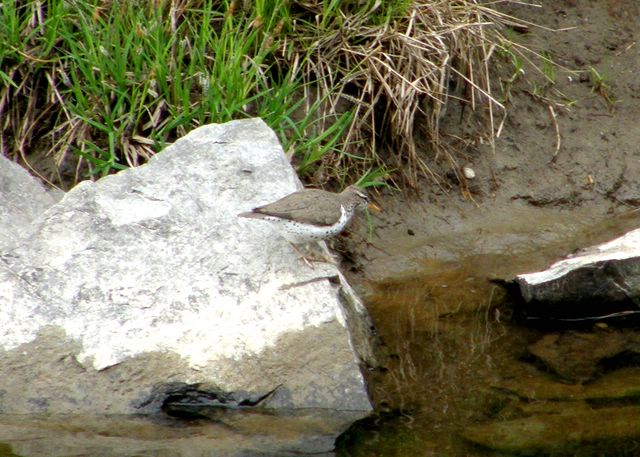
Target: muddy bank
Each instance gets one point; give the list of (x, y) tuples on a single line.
[(533, 190)]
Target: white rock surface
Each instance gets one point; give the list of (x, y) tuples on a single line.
[(149, 274), (23, 199)]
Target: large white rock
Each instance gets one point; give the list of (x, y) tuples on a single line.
[(148, 278)]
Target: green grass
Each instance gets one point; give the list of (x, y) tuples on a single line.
[(601, 87), (102, 85), (116, 82)]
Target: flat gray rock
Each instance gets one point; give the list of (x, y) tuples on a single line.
[(147, 279)]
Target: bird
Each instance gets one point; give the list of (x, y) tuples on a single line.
[(312, 214)]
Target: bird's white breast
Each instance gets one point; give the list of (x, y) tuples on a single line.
[(300, 233)]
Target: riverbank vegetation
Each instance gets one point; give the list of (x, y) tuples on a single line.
[(354, 89)]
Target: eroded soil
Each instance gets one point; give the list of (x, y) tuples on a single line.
[(536, 189)]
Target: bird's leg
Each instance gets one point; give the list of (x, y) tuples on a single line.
[(302, 256), (308, 260)]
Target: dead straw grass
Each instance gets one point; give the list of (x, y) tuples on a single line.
[(397, 77)]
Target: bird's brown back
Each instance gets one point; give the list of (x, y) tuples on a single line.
[(310, 206)]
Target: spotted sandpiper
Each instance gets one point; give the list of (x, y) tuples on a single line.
[(312, 214)]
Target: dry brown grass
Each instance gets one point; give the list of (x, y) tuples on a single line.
[(397, 77)]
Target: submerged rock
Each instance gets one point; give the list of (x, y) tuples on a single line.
[(236, 434), (614, 387), (580, 356), (580, 395), (553, 431), (148, 278)]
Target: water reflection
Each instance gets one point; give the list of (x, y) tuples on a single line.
[(464, 377), (232, 434)]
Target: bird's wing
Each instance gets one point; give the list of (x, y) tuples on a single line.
[(307, 206)]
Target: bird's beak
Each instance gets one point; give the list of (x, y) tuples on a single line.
[(375, 209)]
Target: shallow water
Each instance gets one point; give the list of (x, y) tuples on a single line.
[(449, 337), (229, 434), (461, 379)]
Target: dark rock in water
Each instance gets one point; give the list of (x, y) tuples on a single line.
[(553, 431), (202, 401), (617, 387), (602, 283), (584, 399), (580, 356)]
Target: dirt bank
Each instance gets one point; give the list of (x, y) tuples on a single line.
[(565, 166)]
